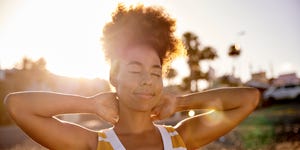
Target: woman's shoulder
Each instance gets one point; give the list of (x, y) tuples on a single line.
[(171, 137), (108, 140)]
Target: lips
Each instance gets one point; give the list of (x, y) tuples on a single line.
[(143, 95)]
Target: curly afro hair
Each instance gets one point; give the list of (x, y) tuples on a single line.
[(137, 25)]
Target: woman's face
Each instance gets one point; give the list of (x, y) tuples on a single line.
[(138, 81)]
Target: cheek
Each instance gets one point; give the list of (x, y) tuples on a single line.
[(159, 88), (125, 83), (123, 90), (160, 85)]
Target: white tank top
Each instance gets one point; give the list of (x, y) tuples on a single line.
[(108, 139)]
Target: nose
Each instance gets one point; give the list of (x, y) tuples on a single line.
[(146, 79)]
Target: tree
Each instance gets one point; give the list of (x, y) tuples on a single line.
[(29, 64), (234, 52), (40, 64), (195, 55), (26, 63)]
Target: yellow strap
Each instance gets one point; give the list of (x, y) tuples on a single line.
[(176, 139), (102, 145), (101, 134)]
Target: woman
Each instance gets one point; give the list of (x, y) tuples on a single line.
[(139, 43)]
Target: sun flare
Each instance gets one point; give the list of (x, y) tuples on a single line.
[(68, 39)]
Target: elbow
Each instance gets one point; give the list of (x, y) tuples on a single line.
[(8, 100), (256, 97), (10, 103), (253, 97)]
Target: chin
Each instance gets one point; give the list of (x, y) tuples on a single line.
[(145, 108)]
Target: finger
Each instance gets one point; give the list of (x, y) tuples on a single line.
[(116, 119), (109, 117), (156, 110), (164, 114)]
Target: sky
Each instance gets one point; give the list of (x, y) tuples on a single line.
[(67, 34)]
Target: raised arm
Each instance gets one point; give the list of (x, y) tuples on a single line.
[(34, 113), (230, 106)]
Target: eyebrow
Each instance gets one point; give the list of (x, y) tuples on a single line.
[(140, 64)]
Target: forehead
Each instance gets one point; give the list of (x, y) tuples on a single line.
[(141, 53)]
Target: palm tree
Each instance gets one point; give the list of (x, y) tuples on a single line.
[(208, 53), (235, 49), (195, 55), (234, 52)]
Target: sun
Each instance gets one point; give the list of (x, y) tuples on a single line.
[(68, 39), (80, 65)]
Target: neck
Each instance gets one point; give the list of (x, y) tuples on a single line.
[(132, 121)]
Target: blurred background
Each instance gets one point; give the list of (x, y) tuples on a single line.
[(55, 46)]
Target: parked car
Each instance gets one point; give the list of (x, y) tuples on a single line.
[(282, 92)]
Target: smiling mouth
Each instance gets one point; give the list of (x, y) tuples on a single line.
[(144, 95)]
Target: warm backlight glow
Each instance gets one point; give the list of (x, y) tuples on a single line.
[(66, 34), (68, 38), (213, 117), (191, 113), (96, 68)]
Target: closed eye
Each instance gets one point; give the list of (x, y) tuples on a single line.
[(135, 72), (155, 74)]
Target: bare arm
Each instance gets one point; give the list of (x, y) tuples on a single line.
[(34, 111), (230, 105)]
